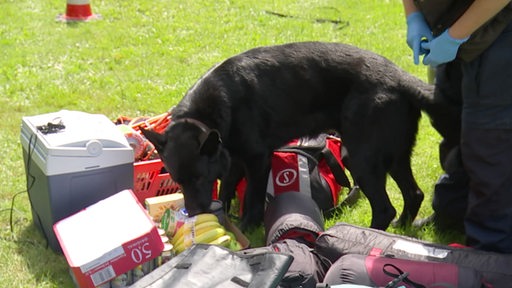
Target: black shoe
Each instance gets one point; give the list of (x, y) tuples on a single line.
[(441, 224)]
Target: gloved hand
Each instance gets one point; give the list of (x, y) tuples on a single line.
[(442, 49), (417, 30)]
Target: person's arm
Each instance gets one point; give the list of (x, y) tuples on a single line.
[(409, 7), (417, 30), (443, 48), (477, 14)]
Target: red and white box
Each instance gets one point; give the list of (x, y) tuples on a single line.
[(108, 238)]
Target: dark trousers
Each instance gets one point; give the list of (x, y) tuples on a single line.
[(452, 188), (486, 145), (488, 221)]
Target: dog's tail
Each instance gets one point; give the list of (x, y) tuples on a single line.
[(420, 93), (445, 116)]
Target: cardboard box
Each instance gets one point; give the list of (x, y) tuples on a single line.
[(108, 238), (156, 206), (240, 237)]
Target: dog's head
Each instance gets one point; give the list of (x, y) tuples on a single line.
[(194, 156)]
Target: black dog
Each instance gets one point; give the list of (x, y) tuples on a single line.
[(232, 119)]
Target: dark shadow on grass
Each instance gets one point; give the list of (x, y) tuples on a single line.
[(340, 24), (449, 237), (436, 236), (41, 261)]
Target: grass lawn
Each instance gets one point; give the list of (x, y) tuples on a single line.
[(139, 59)]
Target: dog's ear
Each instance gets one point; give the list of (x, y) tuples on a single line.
[(158, 140), (211, 144)]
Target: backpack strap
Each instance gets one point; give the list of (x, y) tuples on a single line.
[(336, 169), (400, 276)]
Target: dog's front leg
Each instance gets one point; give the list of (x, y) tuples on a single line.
[(257, 170), (230, 182)]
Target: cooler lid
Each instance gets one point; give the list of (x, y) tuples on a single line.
[(91, 133)]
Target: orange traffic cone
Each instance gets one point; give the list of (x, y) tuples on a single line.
[(77, 10)]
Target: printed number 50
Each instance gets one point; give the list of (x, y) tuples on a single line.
[(141, 253)]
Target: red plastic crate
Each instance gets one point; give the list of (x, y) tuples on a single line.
[(149, 181), (149, 177)]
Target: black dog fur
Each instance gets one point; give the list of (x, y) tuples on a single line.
[(257, 101)]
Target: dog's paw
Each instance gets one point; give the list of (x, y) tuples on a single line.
[(248, 225), (400, 223), (383, 221)]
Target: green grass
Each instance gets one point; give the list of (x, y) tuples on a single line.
[(139, 59)]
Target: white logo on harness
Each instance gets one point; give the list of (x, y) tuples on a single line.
[(285, 177)]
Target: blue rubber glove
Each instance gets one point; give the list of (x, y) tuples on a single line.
[(442, 49), (417, 30)]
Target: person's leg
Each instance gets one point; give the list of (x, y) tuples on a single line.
[(450, 194), (486, 146), (448, 89), (488, 158), (451, 190)]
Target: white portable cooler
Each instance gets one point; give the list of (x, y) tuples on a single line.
[(74, 165)]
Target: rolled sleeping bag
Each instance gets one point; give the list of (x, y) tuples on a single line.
[(381, 271), (293, 215), (344, 238)]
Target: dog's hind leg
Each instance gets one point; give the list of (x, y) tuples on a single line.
[(368, 169), (373, 186), (412, 194)]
